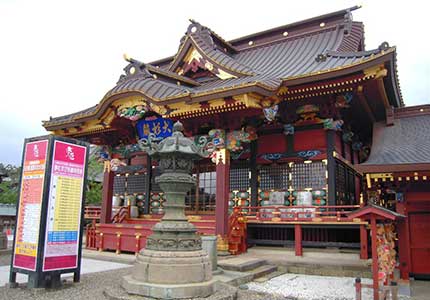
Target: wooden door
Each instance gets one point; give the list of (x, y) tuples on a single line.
[(419, 231)]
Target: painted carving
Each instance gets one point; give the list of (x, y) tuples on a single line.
[(133, 113), (271, 112), (195, 61), (288, 129), (115, 163), (347, 136), (308, 115), (308, 153), (331, 124), (343, 101)]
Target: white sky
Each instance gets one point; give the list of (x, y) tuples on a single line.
[(58, 57)]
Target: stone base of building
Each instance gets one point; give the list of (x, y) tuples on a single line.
[(221, 292), (168, 291), (171, 275)]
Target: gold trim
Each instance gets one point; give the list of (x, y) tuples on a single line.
[(392, 49), (215, 91)]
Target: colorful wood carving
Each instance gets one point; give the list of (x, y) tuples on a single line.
[(271, 112), (330, 124), (132, 113), (385, 240), (308, 115)]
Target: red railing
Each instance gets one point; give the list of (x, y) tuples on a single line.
[(327, 213), (92, 212), (91, 236)]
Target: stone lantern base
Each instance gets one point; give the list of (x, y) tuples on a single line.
[(171, 275)]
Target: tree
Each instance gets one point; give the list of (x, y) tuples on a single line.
[(9, 186), (94, 187)]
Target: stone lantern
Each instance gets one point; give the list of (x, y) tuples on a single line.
[(173, 264)]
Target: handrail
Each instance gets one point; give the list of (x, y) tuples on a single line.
[(90, 240), (92, 212), (122, 214), (299, 213)]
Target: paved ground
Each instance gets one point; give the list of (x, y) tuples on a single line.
[(88, 266), (96, 277)]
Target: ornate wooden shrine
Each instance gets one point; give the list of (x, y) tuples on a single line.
[(289, 114)]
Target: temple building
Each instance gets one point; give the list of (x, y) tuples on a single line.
[(304, 126)]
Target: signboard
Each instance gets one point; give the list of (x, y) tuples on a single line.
[(48, 236), (64, 206), (160, 128), (29, 205)]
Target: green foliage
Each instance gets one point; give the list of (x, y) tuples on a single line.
[(94, 189), (10, 184), (94, 193)]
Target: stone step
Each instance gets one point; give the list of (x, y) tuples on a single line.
[(262, 271), (343, 271), (233, 278), (270, 276), (241, 264)]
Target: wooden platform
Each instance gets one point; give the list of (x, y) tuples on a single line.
[(131, 234)]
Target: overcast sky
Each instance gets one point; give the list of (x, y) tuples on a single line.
[(58, 57)]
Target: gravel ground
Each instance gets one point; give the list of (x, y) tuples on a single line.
[(92, 286), (310, 287)]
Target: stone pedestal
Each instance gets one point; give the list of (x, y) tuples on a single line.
[(171, 274), (209, 244)]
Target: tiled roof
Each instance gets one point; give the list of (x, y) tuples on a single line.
[(311, 48), (406, 142)]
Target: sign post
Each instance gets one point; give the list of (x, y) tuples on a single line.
[(48, 236)]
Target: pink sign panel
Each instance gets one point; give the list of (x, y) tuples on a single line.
[(30, 203), (64, 207)]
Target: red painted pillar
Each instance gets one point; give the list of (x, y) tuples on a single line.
[(298, 239), (402, 227), (375, 267), (222, 194), (363, 242), (106, 213)]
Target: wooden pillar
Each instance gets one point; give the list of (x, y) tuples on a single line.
[(331, 167), (375, 267), (106, 211), (298, 239), (402, 227), (222, 195), (146, 208), (363, 242), (254, 173)]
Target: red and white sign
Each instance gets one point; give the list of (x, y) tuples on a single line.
[(64, 207), (30, 203)]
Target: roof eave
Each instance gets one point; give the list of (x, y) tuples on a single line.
[(386, 168)]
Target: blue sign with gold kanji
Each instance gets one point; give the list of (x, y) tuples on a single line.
[(160, 128)]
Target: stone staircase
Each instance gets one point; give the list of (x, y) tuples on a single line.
[(240, 270)]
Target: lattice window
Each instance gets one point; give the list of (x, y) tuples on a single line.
[(136, 183), (119, 185), (207, 188), (345, 185), (239, 176), (274, 177), (308, 176)]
